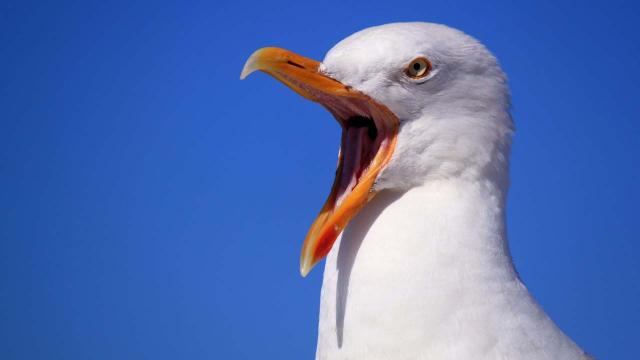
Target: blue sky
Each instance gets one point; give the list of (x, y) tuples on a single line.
[(153, 206)]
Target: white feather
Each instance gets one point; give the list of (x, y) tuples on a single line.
[(424, 271)]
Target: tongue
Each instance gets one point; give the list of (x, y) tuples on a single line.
[(355, 158)]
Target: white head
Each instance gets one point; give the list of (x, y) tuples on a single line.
[(454, 122), (416, 102)]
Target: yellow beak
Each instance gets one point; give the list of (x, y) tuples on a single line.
[(368, 140)]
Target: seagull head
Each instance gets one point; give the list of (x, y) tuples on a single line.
[(416, 102)]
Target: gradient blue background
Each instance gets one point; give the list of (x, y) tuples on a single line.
[(153, 206)]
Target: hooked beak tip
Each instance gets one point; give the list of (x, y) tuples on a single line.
[(305, 268)]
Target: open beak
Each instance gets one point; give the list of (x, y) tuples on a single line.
[(369, 134)]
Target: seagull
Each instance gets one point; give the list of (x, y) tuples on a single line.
[(413, 230)]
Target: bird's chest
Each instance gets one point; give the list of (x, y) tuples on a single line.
[(426, 275), (389, 293)]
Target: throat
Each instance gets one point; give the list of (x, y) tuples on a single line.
[(438, 231), (415, 262)]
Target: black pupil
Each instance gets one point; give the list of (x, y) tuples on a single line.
[(416, 66)]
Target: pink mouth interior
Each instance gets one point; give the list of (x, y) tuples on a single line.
[(359, 147), (363, 135)]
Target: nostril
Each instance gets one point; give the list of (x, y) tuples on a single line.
[(294, 64)]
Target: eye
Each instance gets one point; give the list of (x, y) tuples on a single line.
[(418, 68)]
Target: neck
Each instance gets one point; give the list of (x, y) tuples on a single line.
[(418, 270)]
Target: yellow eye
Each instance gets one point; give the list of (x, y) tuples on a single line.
[(418, 68)]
